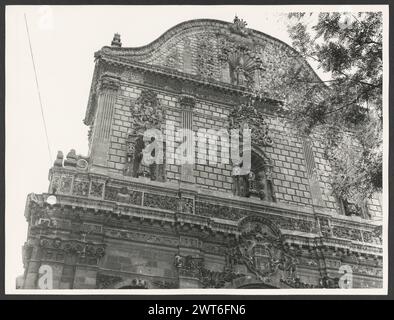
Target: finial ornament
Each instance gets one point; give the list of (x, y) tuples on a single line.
[(116, 41), (239, 26)]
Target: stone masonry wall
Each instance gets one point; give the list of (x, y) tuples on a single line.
[(290, 177)]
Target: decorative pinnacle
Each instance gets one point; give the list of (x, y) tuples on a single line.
[(116, 41)]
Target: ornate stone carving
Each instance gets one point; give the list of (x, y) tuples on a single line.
[(247, 116), (160, 201), (66, 184), (172, 59), (325, 227), (354, 209), (347, 233), (261, 250), (104, 281), (193, 267), (256, 183), (116, 40), (96, 189), (189, 266), (329, 282), (74, 247), (377, 233), (206, 57), (81, 187), (55, 183), (135, 145), (141, 237), (109, 81), (187, 102), (219, 211), (146, 113), (258, 252), (233, 213), (111, 193), (186, 205), (239, 26), (123, 195), (163, 284), (243, 59), (298, 284), (217, 279)]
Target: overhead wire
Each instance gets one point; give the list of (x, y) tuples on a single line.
[(38, 90)]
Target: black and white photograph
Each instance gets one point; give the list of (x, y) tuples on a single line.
[(180, 149)]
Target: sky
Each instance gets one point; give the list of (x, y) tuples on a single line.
[(64, 39)]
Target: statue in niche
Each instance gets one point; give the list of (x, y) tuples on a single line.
[(146, 113), (243, 61), (256, 183)]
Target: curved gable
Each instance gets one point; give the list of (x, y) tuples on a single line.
[(222, 51)]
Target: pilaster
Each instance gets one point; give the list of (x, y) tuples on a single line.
[(107, 89)]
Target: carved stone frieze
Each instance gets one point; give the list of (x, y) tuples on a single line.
[(233, 213), (96, 189), (74, 247), (81, 187), (347, 233), (160, 201), (104, 281), (141, 237), (164, 284), (108, 281), (186, 205), (123, 195)]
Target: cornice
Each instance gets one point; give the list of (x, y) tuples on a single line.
[(207, 25), (195, 80), (216, 197)]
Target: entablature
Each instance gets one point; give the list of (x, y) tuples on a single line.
[(186, 205)]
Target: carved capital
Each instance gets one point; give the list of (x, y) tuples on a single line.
[(187, 102), (109, 82)]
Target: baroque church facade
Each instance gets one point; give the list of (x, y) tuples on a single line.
[(111, 220)]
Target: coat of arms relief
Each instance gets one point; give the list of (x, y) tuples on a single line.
[(258, 255), (260, 251)]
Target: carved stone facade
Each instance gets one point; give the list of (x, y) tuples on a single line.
[(113, 220)]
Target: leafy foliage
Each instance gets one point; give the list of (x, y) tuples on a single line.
[(347, 109)]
